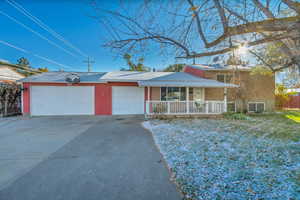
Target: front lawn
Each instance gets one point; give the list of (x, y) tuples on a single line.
[(254, 158), (280, 125)]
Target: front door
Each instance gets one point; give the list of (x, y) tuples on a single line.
[(198, 94)]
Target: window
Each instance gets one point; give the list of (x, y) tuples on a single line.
[(258, 107), (163, 94), (221, 78), (231, 107), (225, 78), (173, 93)]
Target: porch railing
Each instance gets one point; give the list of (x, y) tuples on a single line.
[(184, 107)]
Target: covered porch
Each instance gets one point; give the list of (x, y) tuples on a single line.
[(183, 101), (184, 94)]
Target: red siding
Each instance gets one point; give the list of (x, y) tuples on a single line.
[(26, 98), (194, 71), (103, 99), (123, 83)]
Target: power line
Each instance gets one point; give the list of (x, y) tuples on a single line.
[(36, 33), (36, 55), (21, 9)]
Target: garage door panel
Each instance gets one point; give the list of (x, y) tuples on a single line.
[(62, 100), (127, 100)]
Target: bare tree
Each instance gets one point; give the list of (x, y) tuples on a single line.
[(199, 28)]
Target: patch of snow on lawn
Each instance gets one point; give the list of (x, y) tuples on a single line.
[(210, 160)]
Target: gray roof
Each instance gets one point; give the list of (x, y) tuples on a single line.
[(181, 79), (221, 67), (60, 77), (132, 76)]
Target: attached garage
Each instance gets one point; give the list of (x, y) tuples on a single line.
[(62, 100), (127, 100)]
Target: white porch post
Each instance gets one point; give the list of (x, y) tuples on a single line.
[(148, 100), (187, 100), (225, 99)]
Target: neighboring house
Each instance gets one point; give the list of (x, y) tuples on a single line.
[(9, 73), (10, 99), (255, 92), (125, 92)]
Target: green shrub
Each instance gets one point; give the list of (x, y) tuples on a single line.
[(236, 116)]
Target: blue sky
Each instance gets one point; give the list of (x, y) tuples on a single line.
[(72, 20)]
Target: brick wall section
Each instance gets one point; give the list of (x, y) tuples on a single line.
[(254, 88), (155, 93), (214, 94)]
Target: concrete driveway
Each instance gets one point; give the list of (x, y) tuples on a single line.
[(87, 158)]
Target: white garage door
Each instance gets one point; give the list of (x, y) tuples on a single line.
[(62, 100), (127, 100)]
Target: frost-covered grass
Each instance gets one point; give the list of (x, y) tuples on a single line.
[(218, 159)]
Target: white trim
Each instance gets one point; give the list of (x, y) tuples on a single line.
[(187, 99), (211, 107), (256, 102)]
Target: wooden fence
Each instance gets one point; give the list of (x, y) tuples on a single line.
[(293, 102), (10, 99)]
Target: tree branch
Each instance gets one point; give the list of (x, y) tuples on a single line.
[(268, 25), (237, 15), (262, 60), (198, 22), (222, 15), (229, 49), (265, 10), (161, 39), (293, 5)]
